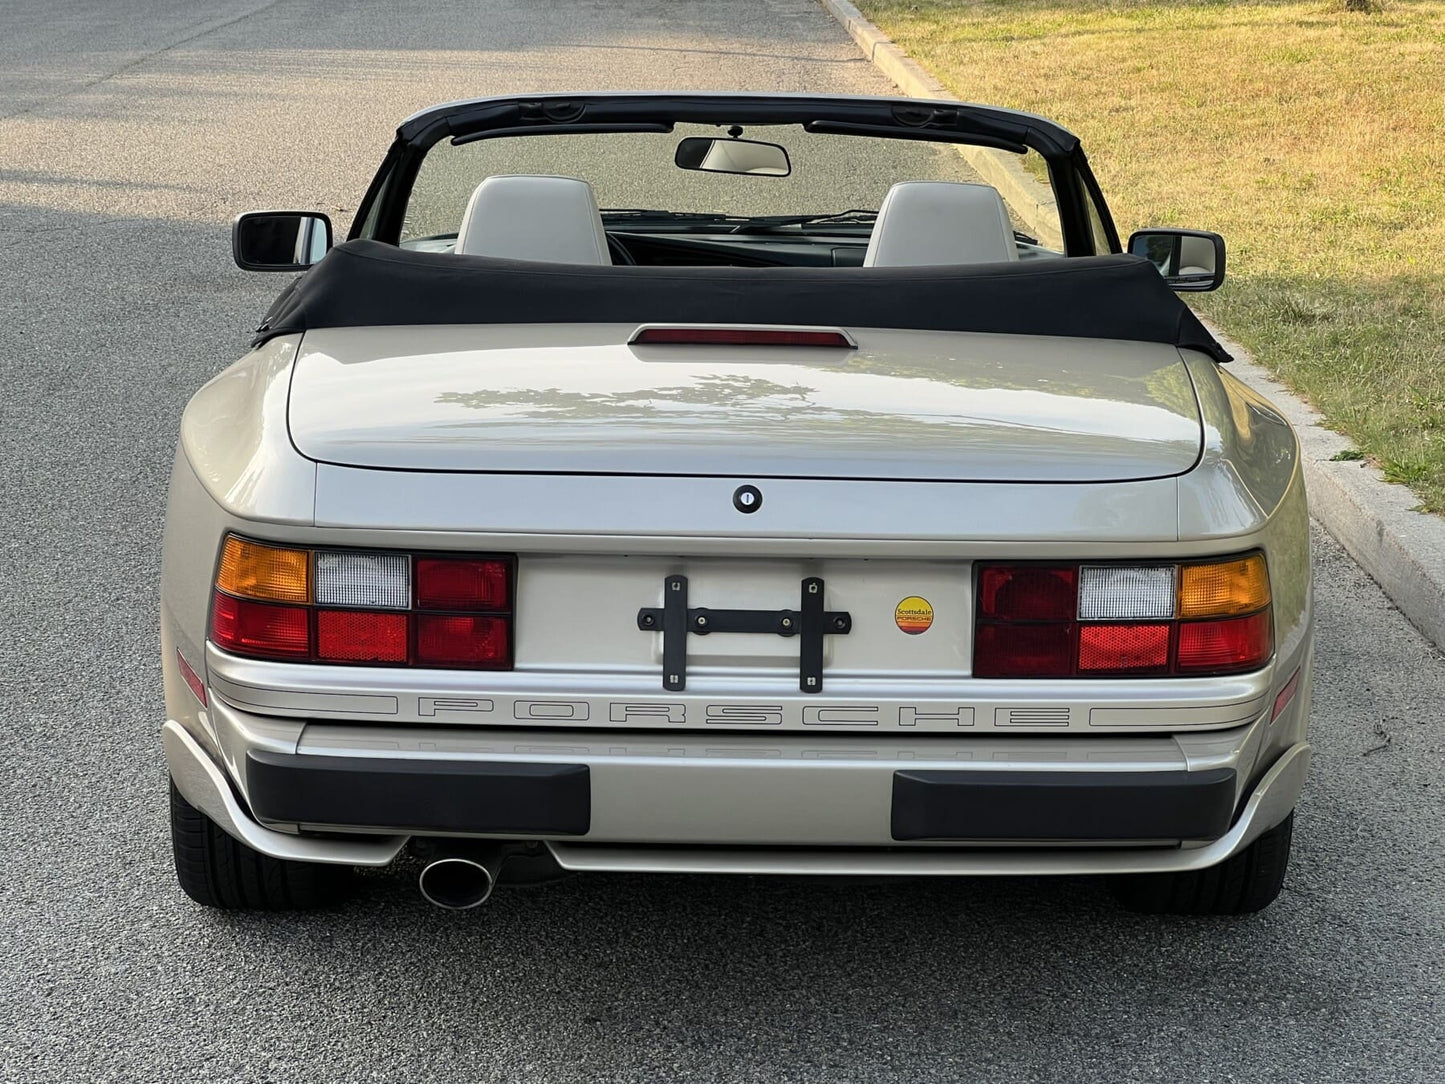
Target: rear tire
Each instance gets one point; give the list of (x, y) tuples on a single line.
[(216, 870), (1247, 882)]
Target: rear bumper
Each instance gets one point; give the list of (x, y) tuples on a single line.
[(498, 798), (744, 803)]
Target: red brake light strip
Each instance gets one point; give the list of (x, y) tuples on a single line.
[(741, 336)]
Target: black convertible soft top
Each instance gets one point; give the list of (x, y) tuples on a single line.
[(367, 283)]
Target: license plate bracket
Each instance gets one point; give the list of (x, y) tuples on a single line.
[(810, 622)]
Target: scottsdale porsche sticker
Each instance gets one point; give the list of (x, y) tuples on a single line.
[(913, 615)]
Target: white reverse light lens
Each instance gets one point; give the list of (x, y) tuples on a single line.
[(374, 580), (1117, 593)]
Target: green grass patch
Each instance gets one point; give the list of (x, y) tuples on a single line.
[(1309, 134)]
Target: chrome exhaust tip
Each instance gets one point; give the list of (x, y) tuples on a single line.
[(459, 882)]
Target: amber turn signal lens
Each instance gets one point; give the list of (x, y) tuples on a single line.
[(251, 570), (1224, 588)]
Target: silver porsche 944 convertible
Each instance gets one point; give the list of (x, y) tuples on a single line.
[(733, 483)]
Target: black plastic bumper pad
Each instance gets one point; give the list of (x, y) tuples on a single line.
[(421, 795), (1103, 806)]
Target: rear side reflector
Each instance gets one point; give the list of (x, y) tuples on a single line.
[(193, 679), (363, 607), (260, 628), (739, 336), (1285, 696)]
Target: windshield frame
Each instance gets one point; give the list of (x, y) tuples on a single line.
[(380, 214)]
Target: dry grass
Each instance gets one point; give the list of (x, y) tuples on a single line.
[(1311, 135)]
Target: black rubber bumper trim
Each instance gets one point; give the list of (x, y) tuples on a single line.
[(421, 795), (1000, 805)]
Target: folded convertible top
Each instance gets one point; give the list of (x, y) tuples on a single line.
[(366, 283)]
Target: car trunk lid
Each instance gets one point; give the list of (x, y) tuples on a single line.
[(904, 405)]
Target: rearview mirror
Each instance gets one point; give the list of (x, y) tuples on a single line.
[(732, 156), (1191, 261), (279, 240)]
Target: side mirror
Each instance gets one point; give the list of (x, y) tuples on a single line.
[(732, 156), (279, 240), (1191, 261)]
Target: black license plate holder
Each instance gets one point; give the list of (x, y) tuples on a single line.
[(810, 622)]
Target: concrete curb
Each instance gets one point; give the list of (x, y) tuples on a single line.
[(1401, 549), (1030, 200), (912, 78)]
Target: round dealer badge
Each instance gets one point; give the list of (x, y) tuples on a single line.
[(913, 615), (747, 498)]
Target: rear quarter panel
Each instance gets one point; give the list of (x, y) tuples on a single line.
[(234, 466), (1250, 483)]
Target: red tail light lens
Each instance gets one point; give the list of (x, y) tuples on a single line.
[(457, 584), (1028, 593), (1023, 650), (1222, 647), (260, 628), (369, 607), (451, 640), (1025, 622)]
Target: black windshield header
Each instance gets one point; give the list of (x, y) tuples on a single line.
[(900, 117)]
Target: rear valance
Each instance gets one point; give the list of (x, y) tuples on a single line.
[(366, 283)]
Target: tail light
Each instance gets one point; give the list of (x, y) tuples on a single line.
[(1079, 620), (363, 607)]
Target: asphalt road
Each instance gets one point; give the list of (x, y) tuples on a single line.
[(130, 131)]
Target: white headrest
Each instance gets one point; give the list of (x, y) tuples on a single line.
[(552, 219), (940, 222)]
